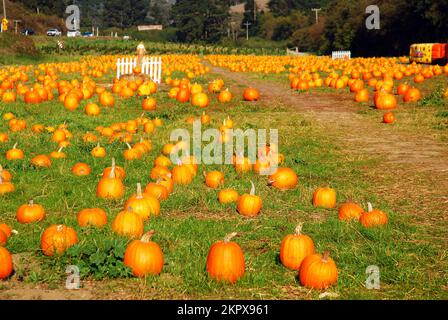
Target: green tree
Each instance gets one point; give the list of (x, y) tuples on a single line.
[(252, 16)]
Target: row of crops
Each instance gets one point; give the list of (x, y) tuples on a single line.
[(119, 46)]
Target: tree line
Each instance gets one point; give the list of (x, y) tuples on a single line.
[(341, 24)]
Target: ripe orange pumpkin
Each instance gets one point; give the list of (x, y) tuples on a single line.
[(362, 95), (81, 169), (412, 95), (92, 109), (386, 101), (149, 104), (29, 213), (225, 260), (373, 218), (349, 211), (92, 217), (110, 186), (200, 100), (182, 174), (251, 94), (41, 161), (228, 196), (295, 248), (144, 205), (225, 96), (14, 153), (388, 117), (57, 239), (128, 224), (144, 256), (157, 190), (249, 205), (283, 179), (324, 198), (6, 266), (318, 271), (214, 179)]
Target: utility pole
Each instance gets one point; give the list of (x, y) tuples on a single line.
[(317, 14), (247, 24), (4, 9), (255, 10)]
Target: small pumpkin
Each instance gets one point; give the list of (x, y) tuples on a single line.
[(41, 161), (144, 256), (6, 266), (324, 198), (58, 154), (158, 172), (5, 187), (128, 223), (181, 174), (318, 271), (144, 205), (225, 260), (110, 187), (5, 175), (373, 218), (98, 152), (249, 205), (251, 94), (349, 211), (120, 173), (31, 212), (81, 169), (388, 117), (95, 217), (57, 239), (14, 153), (3, 238), (283, 179), (157, 190), (228, 196), (214, 179), (295, 248), (6, 229)]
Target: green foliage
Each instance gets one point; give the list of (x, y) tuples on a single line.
[(434, 99), (98, 257)]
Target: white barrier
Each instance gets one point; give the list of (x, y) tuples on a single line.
[(341, 55), (151, 67)]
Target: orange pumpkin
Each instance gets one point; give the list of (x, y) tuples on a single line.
[(110, 186), (81, 169), (251, 94), (128, 224), (214, 179), (318, 271), (57, 239), (144, 256), (29, 213), (225, 260), (144, 205), (349, 211), (295, 248), (324, 198), (249, 205), (373, 218), (283, 179), (92, 217), (6, 266)]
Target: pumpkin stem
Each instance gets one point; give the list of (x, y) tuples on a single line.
[(129, 146), (31, 203), (112, 171), (369, 207), (139, 191), (60, 149), (1, 168), (229, 237), (59, 228), (147, 236), (15, 145), (204, 173), (325, 256), (299, 229), (252, 190)]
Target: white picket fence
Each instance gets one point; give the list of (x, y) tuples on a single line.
[(341, 55), (151, 66)]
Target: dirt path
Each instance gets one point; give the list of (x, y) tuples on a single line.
[(412, 170)]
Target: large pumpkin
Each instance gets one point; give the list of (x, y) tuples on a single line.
[(318, 271), (225, 260), (144, 205), (110, 187), (95, 217), (57, 239), (324, 198), (128, 224), (295, 248), (5, 263), (144, 256)]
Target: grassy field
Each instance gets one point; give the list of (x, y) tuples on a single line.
[(192, 219)]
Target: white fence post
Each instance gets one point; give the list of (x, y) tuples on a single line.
[(341, 55), (150, 66)]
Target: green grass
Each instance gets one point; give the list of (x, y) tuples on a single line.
[(192, 219)]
